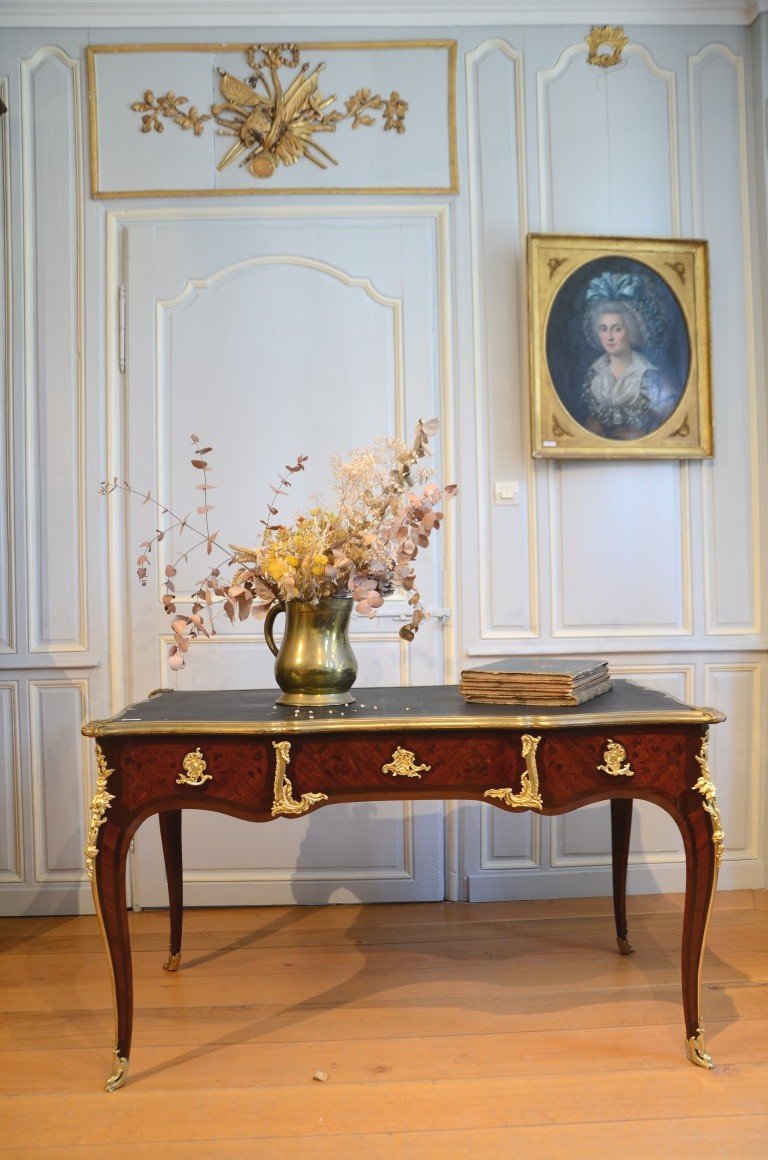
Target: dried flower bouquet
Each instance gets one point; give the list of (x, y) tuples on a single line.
[(363, 547)]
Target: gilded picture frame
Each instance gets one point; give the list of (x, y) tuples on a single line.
[(619, 348)]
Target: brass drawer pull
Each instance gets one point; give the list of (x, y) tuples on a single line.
[(613, 757), (194, 770), (403, 764)]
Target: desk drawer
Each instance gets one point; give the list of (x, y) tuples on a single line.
[(196, 770)]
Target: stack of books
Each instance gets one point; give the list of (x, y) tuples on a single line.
[(536, 681)]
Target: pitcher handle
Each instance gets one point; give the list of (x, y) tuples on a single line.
[(269, 620)]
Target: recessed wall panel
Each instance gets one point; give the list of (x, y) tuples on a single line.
[(619, 561), (53, 320), (58, 709), (496, 142), (7, 643), (734, 753), (721, 214), (605, 169), (619, 530), (10, 784), (508, 841)]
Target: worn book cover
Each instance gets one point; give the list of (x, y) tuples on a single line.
[(518, 697), (574, 669)]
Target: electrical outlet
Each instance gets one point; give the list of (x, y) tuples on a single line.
[(506, 491)]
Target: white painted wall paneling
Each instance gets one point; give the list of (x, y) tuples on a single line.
[(7, 578), (60, 778), (11, 837), (54, 339), (504, 544), (722, 214)]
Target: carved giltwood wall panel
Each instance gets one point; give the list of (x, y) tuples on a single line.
[(273, 118)]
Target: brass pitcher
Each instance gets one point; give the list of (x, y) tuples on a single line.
[(315, 664)]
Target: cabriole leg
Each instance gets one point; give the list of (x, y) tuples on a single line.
[(111, 907), (703, 835), (170, 834), (621, 827)]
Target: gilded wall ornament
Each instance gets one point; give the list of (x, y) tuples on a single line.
[(153, 108), (275, 123), (99, 805), (606, 44)]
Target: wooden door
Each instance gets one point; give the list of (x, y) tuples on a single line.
[(272, 334)]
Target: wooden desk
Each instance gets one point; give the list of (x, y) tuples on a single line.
[(232, 752)]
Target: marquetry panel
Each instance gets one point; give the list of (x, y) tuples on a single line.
[(54, 340), (720, 188), (60, 781)]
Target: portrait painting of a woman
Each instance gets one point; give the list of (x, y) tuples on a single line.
[(617, 348), (626, 395)]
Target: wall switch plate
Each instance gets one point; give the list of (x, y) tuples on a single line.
[(506, 491)]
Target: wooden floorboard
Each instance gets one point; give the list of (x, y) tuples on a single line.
[(496, 1029)]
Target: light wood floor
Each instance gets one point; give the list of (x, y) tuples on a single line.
[(445, 1030)]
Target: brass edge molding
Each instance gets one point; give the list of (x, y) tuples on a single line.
[(449, 46), (613, 757), (529, 797), (683, 716), (194, 769), (403, 764), (284, 804), (697, 1052), (706, 788), (100, 803), (606, 36)]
